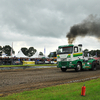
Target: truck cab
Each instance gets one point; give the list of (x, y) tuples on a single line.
[(72, 57)]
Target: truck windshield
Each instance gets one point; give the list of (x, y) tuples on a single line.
[(65, 50)]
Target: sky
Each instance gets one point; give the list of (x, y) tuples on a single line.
[(44, 23)]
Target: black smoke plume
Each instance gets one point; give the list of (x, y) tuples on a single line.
[(89, 27)]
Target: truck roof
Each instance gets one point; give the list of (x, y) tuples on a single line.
[(66, 46)]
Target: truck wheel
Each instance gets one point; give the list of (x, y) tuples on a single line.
[(94, 66), (78, 67), (63, 69)]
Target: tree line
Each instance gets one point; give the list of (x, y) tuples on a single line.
[(91, 53), (31, 51), (7, 49), (85, 52)]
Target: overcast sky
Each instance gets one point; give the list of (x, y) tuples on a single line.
[(44, 23)]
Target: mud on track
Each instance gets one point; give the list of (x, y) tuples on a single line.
[(15, 81)]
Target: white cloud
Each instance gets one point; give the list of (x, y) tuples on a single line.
[(88, 42), (44, 23)]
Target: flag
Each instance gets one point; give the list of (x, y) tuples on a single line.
[(12, 49), (88, 54), (44, 51), (83, 54), (96, 53), (4, 54)]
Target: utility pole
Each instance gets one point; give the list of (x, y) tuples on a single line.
[(11, 54)]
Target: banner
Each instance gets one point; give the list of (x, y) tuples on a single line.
[(28, 62)]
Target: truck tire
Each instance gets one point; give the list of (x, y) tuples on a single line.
[(78, 67), (94, 66), (63, 69)]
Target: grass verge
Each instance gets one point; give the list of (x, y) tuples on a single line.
[(28, 65), (70, 91)]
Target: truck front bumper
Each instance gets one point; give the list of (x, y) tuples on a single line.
[(67, 64)]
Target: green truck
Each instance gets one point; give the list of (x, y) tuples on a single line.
[(72, 57)]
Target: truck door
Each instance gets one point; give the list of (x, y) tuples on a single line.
[(75, 53)]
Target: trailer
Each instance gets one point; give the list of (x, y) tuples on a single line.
[(72, 57)]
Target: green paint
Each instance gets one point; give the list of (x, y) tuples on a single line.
[(77, 54), (69, 55), (65, 46), (58, 56)]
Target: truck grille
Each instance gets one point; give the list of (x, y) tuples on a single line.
[(63, 63)]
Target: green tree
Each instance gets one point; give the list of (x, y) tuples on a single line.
[(31, 51), (7, 50), (0, 50), (28, 52), (24, 50), (40, 53), (92, 52), (98, 53), (52, 54), (86, 51)]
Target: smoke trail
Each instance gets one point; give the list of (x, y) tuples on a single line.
[(90, 26)]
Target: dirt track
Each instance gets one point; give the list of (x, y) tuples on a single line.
[(21, 80)]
